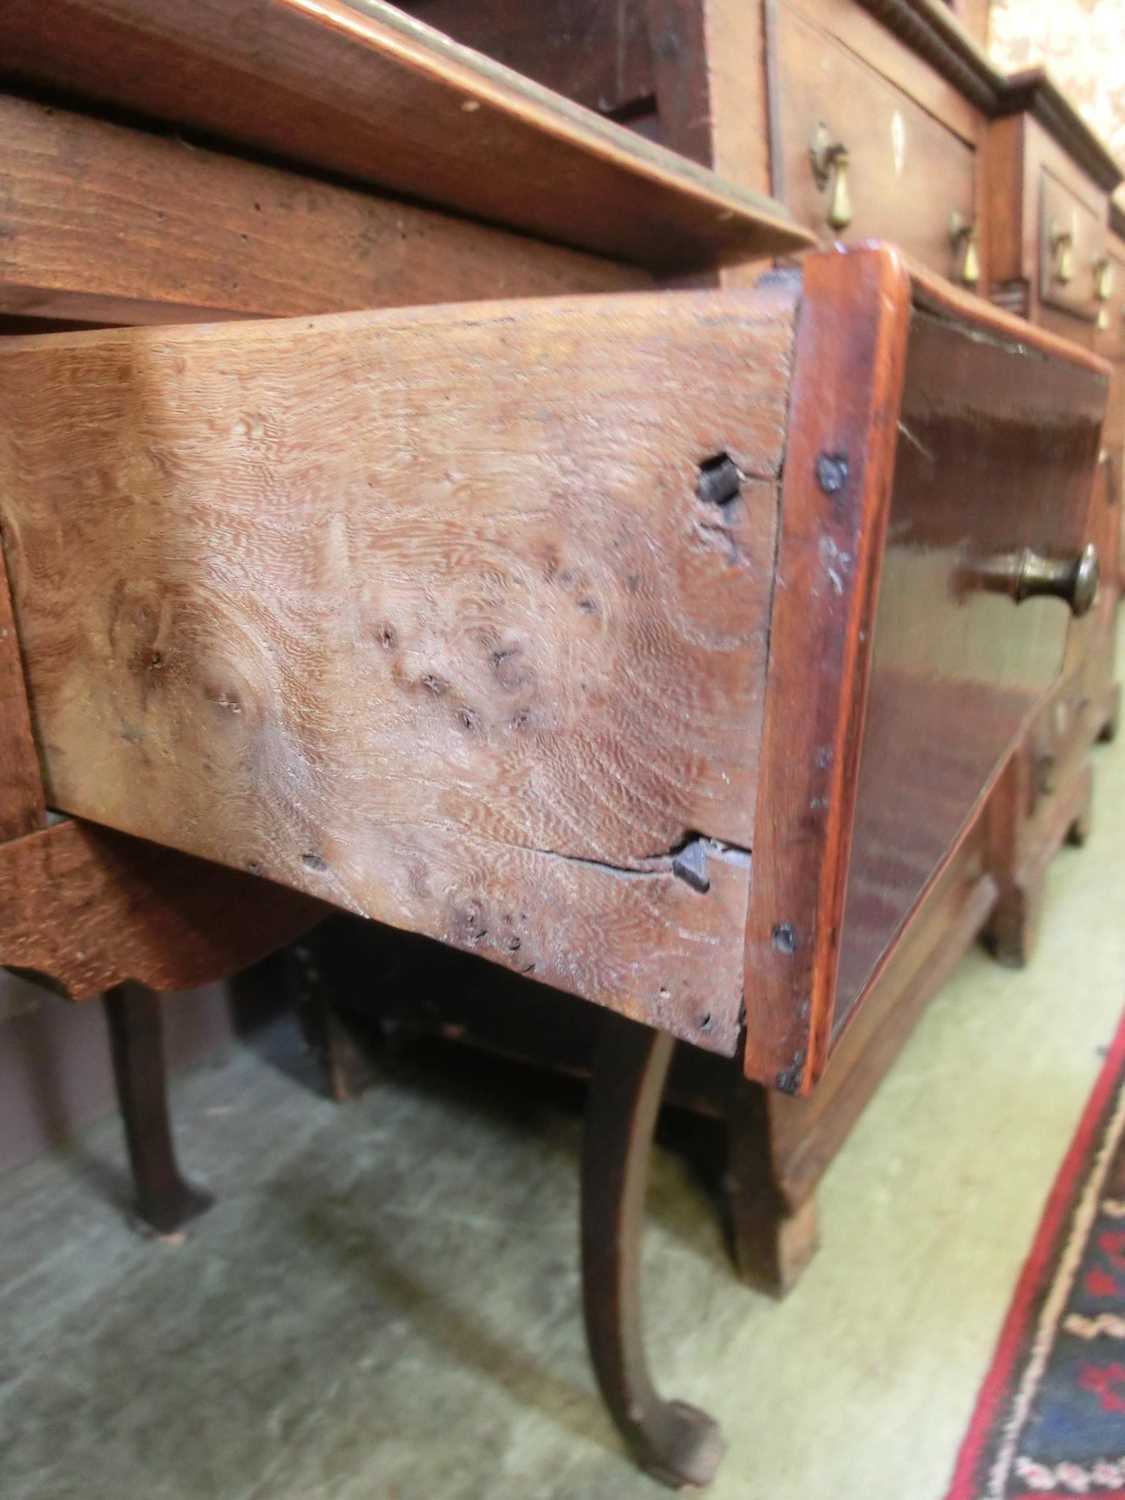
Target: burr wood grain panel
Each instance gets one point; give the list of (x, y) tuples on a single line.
[(454, 617)]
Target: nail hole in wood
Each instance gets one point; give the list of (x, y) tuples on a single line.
[(784, 938), (719, 482)]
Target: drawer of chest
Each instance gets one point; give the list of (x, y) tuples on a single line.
[(1072, 251), (979, 561), (1109, 290), (661, 647), (861, 159)]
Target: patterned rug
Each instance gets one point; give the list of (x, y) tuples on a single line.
[(1050, 1418)]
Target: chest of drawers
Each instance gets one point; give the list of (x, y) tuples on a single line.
[(610, 639), (566, 677)]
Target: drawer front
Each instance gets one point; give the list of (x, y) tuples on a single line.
[(1111, 333), (907, 176), (1071, 246), (997, 452)]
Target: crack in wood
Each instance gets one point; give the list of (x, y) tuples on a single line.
[(686, 860)]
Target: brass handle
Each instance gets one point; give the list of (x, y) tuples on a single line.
[(1062, 253), (1028, 575), (830, 161), (1103, 289), (1046, 775), (963, 238)]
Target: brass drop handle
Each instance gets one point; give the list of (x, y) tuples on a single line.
[(1046, 774), (1026, 574), (963, 238), (1103, 289), (829, 161), (1062, 253)]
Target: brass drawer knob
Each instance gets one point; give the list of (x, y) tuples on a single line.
[(1026, 574), (1046, 775), (1062, 254), (829, 161), (963, 238)]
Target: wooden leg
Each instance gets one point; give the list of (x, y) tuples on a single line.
[(1013, 927), (136, 1033), (1112, 716), (771, 1238), (672, 1441), (1081, 825), (1021, 851), (346, 1070)]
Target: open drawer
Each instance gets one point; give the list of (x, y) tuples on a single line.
[(661, 647)]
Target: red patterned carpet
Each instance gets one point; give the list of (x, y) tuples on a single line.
[(1050, 1418)]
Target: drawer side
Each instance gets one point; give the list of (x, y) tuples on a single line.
[(442, 616)]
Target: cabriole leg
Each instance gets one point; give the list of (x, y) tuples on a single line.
[(674, 1442), (136, 1033)]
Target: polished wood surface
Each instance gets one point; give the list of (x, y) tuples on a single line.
[(486, 685), (973, 409), (364, 90), (957, 672), (839, 462), (106, 224)]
